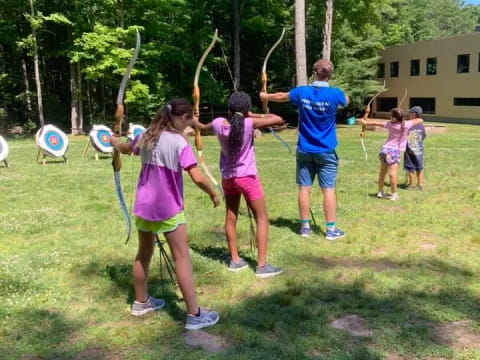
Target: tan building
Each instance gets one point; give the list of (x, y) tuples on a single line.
[(442, 76)]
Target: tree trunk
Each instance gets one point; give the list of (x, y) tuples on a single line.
[(28, 95), (300, 50), (80, 98), (37, 71), (121, 14), (236, 44), (74, 100), (327, 30)]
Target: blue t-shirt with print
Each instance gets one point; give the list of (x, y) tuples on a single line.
[(317, 106)]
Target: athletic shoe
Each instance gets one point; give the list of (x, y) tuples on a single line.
[(206, 318), (305, 232), (237, 266), (152, 304), (394, 197), (381, 195), (334, 234), (410, 187), (420, 187), (267, 271)]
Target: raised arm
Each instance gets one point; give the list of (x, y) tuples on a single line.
[(371, 122), (200, 125), (417, 121), (275, 97), (124, 148), (265, 120)]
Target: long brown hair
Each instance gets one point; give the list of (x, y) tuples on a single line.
[(164, 121), (239, 105)]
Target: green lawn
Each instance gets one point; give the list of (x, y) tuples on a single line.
[(407, 267)]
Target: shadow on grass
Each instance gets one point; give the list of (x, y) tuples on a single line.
[(294, 225), (222, 255)]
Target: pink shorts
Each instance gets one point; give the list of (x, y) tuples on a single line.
[(248, 186)]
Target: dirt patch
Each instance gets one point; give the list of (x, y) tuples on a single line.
[(428, 246), (457, 335), (208, 342), (354, 325), (396, 209), (394, 357), (379, 251), (92, 353)]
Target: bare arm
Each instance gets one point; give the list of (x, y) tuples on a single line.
[(199, 125), (371, 122), (265, 120), (275, 97), (202, 182), (123, 148)]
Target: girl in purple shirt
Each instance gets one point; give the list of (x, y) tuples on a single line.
[(396, 142), (158, 208), (239, 176)]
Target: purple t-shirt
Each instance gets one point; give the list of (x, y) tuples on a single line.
[(160, 184), (245, 164), (397, 136)]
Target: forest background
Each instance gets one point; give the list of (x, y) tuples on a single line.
[(84, 46)]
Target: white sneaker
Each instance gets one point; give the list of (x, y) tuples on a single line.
[(381, 195), (394, 197)]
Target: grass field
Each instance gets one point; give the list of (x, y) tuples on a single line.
[(409, 268)]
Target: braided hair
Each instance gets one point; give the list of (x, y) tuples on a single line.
[(164, 121), (239, 105)]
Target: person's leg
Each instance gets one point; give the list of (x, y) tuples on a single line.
[(146, 242), (410, 178), (392, 171), (381, 176), (420, 179), (329, 205), (232, 203), (259, 210), (305, 174), (177, 241)]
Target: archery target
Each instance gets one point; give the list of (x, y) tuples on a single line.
[(3, 149), (100, 138), (134, 130), (52, 141)]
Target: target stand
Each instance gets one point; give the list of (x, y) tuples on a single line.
[(51, 142), (99, 138), (3, 151)]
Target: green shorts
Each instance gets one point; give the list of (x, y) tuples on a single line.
[(160, 226)]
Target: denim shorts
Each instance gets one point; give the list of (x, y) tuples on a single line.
[(324, 165)]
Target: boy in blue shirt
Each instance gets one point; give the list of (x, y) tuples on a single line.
[(317, 105)]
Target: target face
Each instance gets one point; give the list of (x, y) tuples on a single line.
[(134, 130), (52, 141), (100, 138), (3, 149)]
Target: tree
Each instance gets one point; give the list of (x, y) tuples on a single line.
[(300, 47), (327, 30)]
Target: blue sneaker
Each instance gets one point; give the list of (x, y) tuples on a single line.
[(334, 234), (237, 266), (267, 271), (305, 232), (152, 304), (206, 318)]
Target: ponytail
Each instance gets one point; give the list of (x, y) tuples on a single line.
[(239, 104)]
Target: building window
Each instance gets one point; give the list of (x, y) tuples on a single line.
[(463, 63), (414, 67), (394, 69), (385, 104), (432, 66), (466, 101), (381, 70), (427, 104)]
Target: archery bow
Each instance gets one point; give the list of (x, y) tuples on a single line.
[(404, 98), (119, 115), (196, 112), (365, 116), (263, 81)]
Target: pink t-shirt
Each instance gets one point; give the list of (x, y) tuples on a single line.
[(245, 164), (160, 184), (397, 137)]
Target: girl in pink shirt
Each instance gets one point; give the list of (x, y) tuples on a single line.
[(165, 154), (396, 142), (239, 176)]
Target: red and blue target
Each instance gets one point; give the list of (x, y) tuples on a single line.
[(52, 141), (100, 138)]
